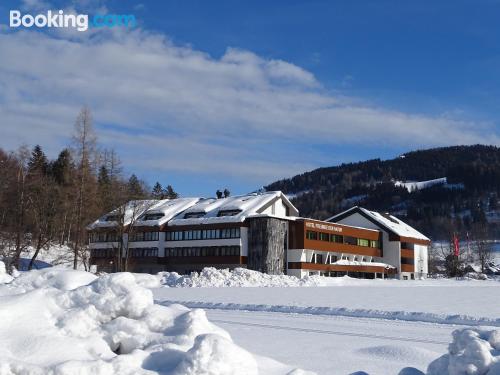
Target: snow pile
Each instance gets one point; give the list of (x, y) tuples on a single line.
[(472, 352), (4, 277), (239, 277), (69, 322)]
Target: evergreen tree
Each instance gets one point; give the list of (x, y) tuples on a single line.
[(38, 163), (61, 168), (103, 178), (157, 192), (134, 188), (170, 192)]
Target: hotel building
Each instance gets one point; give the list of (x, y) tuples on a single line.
[(260, 231)]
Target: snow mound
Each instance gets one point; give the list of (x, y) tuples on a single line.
[(239, 277), (69, 322), (4, 277), (472, 352)]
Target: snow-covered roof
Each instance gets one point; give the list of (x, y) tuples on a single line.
[(230, 209), (166, 207), (138, 211), (125, 214), (189, 211), (385, 220)]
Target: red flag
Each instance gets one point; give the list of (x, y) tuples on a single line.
[(455, 243)]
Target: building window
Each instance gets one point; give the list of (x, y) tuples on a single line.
[(350, 240), (336, 238), (194, 215), (206, 251), (363, 242), (310, 235), (324, 236), (113, 218), (207, 234), (409, 261), (228, 213), (102, 253), (375, 243), (144, 236), (103, 237), (152, 216), (407, 245), (144, 252)]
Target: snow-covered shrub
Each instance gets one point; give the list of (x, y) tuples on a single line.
[(472, 352)]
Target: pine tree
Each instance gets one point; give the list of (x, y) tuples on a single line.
[(170, 193), (61, 169), (38, 163), (157, 192), (134, 188)]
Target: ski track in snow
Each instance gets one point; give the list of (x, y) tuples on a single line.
[(342, 311), (327, 332)]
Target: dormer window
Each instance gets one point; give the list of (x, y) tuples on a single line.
[(112, 218), (153, 216), (389, 217), (194, 215), (228, 213)]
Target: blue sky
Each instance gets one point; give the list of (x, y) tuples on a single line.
[(209, 94)]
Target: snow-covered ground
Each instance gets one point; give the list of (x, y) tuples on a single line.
[(64, 322), (432, 300), (60, 256), (419, 185), (343, 325), (58, 321)]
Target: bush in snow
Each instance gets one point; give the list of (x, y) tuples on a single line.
[(472, 352), (239, 277)]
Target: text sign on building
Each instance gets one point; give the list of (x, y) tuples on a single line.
[(323, 227)]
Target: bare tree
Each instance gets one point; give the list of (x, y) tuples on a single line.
[(481, 247), (127, 217), (21, 206), (84, 140)]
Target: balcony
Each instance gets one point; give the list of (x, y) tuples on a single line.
[(340, 267), (342, 248)]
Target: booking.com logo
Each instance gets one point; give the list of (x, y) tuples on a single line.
[(78, 21)]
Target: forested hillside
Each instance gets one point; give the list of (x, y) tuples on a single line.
[(467, 202)]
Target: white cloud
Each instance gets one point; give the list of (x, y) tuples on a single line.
[(35, 5), (173, 107)]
